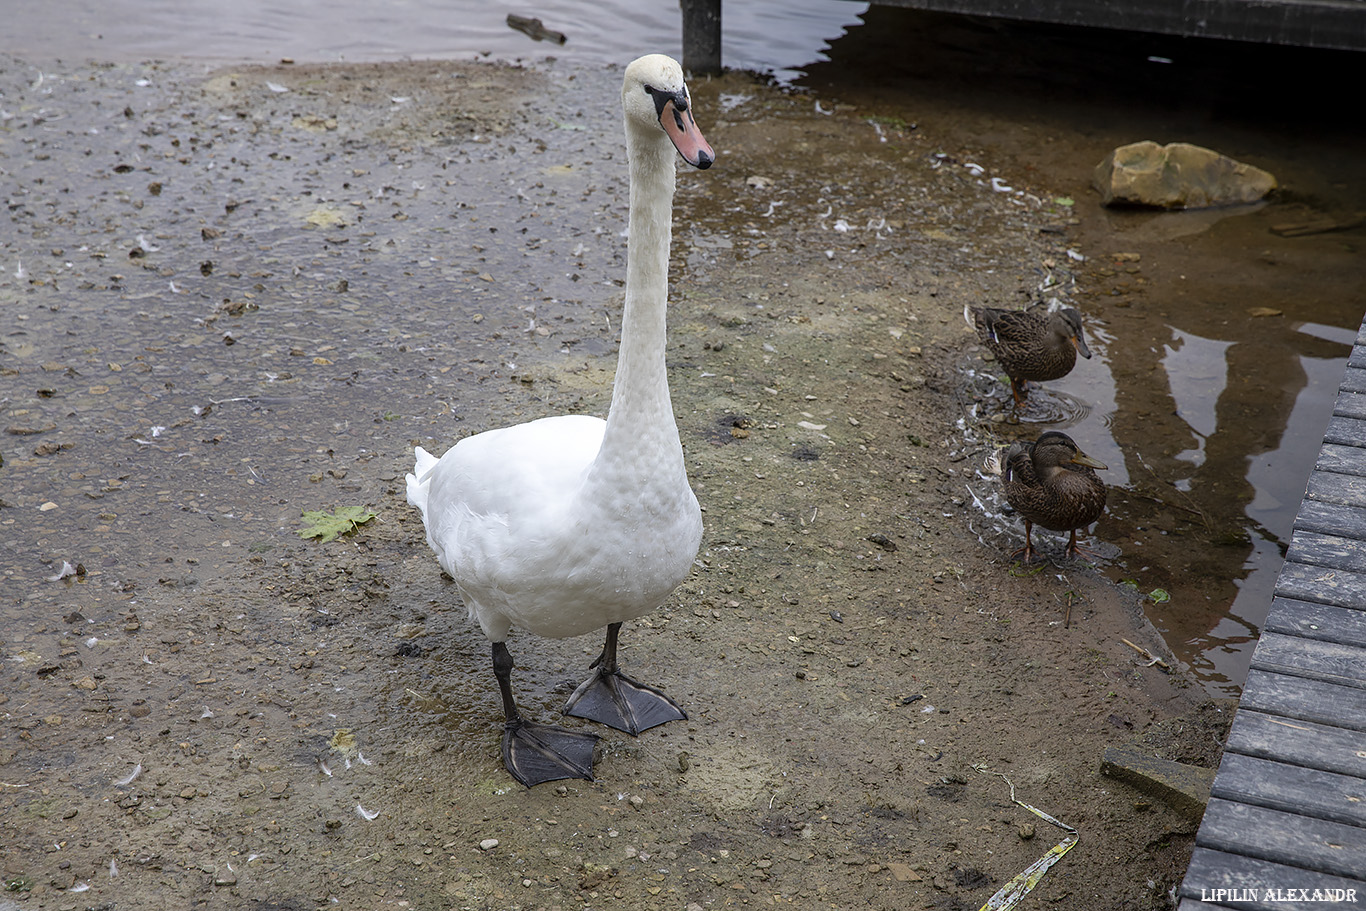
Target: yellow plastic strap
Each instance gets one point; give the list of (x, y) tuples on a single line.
[(1013, 892)]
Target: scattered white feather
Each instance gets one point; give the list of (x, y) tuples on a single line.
[(66, 571), (130, 777), (366, 814)]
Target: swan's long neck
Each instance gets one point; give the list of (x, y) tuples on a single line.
[(641, 418)]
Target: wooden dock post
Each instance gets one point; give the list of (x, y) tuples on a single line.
[(702, 36)]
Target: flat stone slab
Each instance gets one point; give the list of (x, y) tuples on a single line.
[(1183, 787)]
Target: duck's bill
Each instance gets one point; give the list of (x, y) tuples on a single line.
[(1081, 346), (686, 137)]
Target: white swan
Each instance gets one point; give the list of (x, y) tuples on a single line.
[(568, 524)]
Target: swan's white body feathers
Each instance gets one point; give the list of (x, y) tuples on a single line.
[(538, 536), (568, 524)]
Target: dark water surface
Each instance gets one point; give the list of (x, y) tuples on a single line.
[(1219, 347)]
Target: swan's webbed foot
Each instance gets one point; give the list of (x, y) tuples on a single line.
[(613, 699), (535, 753)]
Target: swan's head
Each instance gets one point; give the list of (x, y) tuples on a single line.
[(655, 96)]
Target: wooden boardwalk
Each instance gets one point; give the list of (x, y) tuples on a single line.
[(1338, 24), (1288, 807)]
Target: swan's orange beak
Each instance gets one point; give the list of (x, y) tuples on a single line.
[(678, 123)]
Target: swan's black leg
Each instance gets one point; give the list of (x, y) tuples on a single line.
[(612, 698), (534, 753)]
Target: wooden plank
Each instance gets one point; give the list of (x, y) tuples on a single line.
[(1304, 699), (1210, 870), (1191, 904), (1194, 904), (1320, 583), (1345, 431), (1335, 551), (1303, 743), (1343, 625), (1334, 662), (1297, 841), (1343, 459), (1354, 377), (1331, 487), (1351, 404), (1332, 518), (1311, 23), (1292, 789)]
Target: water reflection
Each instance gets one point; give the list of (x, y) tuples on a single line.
[(1197, 374), (1218, 446)]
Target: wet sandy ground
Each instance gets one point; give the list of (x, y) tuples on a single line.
[(231, 298)]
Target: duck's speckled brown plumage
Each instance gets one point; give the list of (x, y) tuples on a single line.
[(1052, 483), (1032, 344)]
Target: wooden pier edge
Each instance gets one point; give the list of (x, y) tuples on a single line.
[(1286, 823), (1327, 24)]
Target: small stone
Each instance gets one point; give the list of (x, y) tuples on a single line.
[(637, 801), (903, 873), (488, 844), (1026, 831)]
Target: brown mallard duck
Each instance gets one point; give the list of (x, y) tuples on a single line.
[(1032, 344), (1054, 484)]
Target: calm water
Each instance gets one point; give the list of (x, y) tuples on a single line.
[(776, 35), (1226, 413)]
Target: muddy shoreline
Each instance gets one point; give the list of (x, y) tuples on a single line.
[(248, 294)]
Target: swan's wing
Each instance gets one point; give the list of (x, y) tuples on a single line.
[(497, 487)]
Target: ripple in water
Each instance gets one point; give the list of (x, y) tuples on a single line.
[(1045, 406)]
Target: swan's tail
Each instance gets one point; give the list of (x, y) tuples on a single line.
[(421, 479)]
